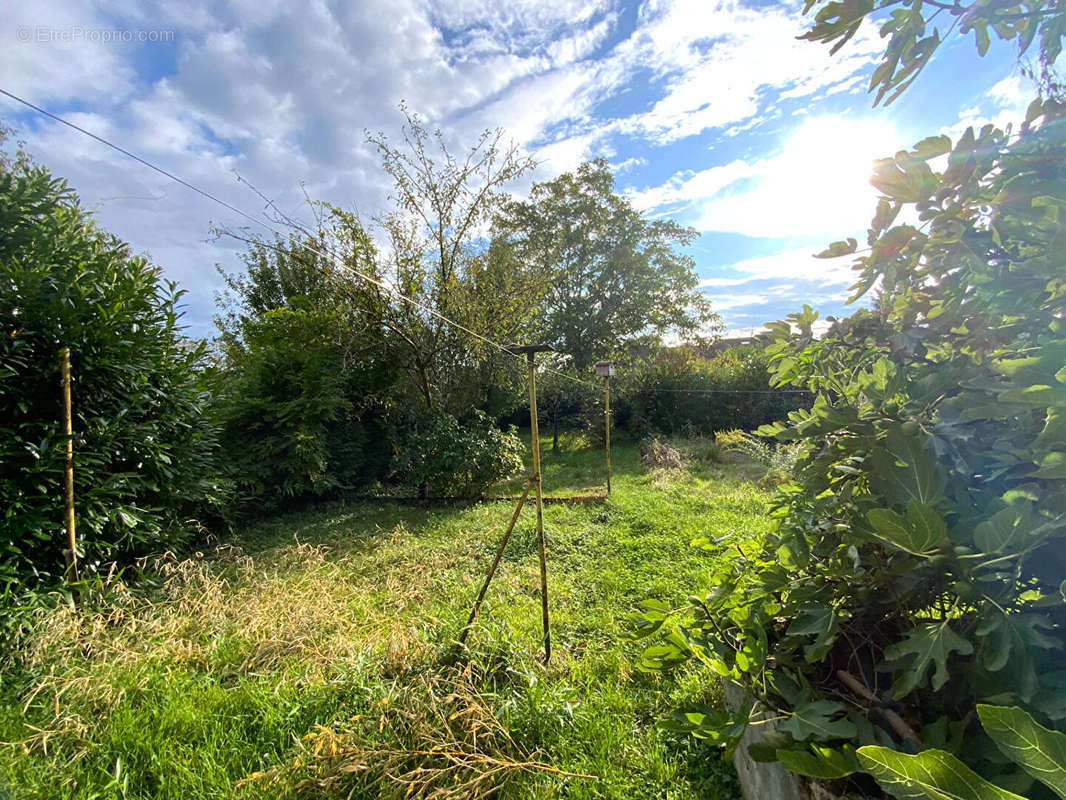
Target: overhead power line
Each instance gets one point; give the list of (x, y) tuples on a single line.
[(255, 220), (731, 391), (368, 278)]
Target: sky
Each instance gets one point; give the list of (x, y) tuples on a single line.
[(711, 112)]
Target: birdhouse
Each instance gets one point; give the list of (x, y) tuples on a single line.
[(604, 369)]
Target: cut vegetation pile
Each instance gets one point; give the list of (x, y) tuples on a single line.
[(450, 744), (314, 655), (658, 455)]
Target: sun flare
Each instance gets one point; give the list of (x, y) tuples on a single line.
[(816, 186), (832, 157)]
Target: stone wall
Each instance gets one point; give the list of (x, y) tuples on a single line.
[(758, 780)]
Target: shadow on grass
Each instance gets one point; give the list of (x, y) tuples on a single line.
[(576, 469), (352, 527)]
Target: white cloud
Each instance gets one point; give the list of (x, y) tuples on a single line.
[(817, 186), (1008, 92), (47, 53), (567, 154), (516, 24), (714, 283), (1003, 104), (720, 57), (688, 186), (736, 301), (797, 264), (581, 44), (282, 95), (773, 286), (629, 163)]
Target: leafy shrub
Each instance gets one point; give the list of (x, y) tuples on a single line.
[(914, 567), (144, 452), (682, 393), (306, 381), (679, 393), (294, 426), (451, 458)]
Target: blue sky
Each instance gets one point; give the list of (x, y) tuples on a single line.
[(712, 113)]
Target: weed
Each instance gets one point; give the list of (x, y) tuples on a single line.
[(444, 741), (778, 459)]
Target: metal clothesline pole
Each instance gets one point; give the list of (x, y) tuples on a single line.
[(534, 483)]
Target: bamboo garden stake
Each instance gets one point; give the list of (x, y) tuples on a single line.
[(68, 432), (535, 436), (495, 562), (605, 369)]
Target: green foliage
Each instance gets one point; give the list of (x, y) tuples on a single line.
[(607, 277), (941, 776), (295, 421), (453, 458), (443, 199), (568, 397), (934, 774), (779, 459), (304, 391), (331, 382), (676, 392), (816, 761), (914, 565), (680, 392), (365, 365), (913, 36), (1039, 751), (144, 444)]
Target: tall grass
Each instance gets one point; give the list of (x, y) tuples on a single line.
[(314, 654)]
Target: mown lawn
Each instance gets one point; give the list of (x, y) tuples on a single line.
[(319, 647)]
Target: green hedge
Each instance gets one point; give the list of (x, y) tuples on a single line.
[(143, 449), (682, 392)]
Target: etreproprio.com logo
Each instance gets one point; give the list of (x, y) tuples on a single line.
[(76, 34)]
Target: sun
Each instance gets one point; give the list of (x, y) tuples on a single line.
[(826, 164), (816, 185), (836, 154)]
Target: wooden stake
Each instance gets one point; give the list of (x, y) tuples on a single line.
[(535, 484), (607, 417), (68, 432)]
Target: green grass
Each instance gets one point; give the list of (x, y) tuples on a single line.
[(346, 616)]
